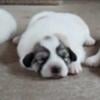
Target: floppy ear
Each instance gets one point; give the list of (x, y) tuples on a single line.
[(73, 56), (28, 59)]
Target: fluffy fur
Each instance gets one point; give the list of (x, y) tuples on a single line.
[(7, 26), (68, 28)]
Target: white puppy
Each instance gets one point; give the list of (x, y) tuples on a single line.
[(94, 60), (53, 44), (7, 26)]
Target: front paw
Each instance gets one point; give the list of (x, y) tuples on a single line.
[(92, 61), (75, 68), (90, 41)]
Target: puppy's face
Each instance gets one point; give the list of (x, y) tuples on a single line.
[(50, 58)]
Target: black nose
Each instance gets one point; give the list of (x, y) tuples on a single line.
[(55, 69)]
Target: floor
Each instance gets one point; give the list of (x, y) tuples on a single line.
[(19, 84)]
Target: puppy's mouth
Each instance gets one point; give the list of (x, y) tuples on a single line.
[(54, 77)]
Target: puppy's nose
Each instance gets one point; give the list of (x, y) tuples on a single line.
[(55, 70)]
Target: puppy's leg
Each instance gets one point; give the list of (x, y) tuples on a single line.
[(89, 41), (93, 60), (16, 39), (76, 67)]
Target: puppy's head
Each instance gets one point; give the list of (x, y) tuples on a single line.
[(50, 58)]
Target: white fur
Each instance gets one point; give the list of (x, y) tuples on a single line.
[(69, 28), (7, 26), (93, 60)]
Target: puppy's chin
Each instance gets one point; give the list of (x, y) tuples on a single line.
[(48, 76)]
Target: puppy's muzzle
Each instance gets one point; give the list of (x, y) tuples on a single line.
[(56, 72)]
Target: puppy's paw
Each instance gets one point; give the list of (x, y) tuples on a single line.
[(16, 39), (90, 41), (92, 61), (75, 68)]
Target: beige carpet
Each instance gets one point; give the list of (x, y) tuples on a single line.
[(19, 84)]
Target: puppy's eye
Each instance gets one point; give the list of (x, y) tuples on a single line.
[(40, 60), (63, 53), (41, 57)]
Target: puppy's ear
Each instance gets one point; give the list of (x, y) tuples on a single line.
[(28, 59), (73, 56)]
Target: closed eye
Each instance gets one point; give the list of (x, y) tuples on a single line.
[(41, 57), (63, 53), (40, 60)]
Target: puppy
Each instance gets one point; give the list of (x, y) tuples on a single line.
[(53, 44), (94, 60), (7, 26)]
